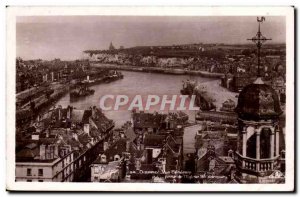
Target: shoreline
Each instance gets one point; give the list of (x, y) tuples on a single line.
[(158, 70)]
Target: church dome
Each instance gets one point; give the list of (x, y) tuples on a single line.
[(258, 101)]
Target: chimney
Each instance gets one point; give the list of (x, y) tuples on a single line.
[(59, 114), (163, 162), (122, 134), (232, 172), (52, 76), (75, 136), (86, 128), (55, 151), (171, 124), (94, 112), (105, 146), (60, 137), (92, 141), (69, 112), (35, 136), (103, 158), (48, 154), (88, 78), (68, 131), (138, 164), (42, 151), (127, 146)]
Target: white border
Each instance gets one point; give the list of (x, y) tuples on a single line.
[(12, 12)]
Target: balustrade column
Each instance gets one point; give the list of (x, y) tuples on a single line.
[(272, 143), (277, 142), (257, 144), (244, 143), (238, 148)]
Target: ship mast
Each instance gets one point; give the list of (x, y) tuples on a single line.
[(259, 39)]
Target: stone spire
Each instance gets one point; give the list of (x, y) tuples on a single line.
[(111, 47)]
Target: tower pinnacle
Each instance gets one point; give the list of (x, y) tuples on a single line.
[(111, 47), (259, 39)]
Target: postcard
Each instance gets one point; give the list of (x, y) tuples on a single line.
[(150, 99)]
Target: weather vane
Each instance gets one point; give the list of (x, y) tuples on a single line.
[(259, 39)]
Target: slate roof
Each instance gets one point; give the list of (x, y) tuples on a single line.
[(62, 136), (154, 140), (99, 161), (147, 120), (94, 133), (100, 120), (86, 115), (48, 140), (84, 139), (117, 148), (26, 153), (74, 143), (258, 101), (31, 145), (172, 144), (77, 115)]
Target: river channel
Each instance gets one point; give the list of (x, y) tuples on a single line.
[(133, 83)]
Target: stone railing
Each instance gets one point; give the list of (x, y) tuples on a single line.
[(256, 165)]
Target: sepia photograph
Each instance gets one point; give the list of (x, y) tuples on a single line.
[(150, 99)]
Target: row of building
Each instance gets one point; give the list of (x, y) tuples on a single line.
[(61, 145), (148, 146), (216, 59), (80, 145), (34, 73)]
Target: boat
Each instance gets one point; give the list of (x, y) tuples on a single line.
[(111, 76), (115, 75), (81, 91)]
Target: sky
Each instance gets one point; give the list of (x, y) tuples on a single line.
[(66, 37)]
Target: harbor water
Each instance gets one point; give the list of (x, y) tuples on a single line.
[(135, 83)]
